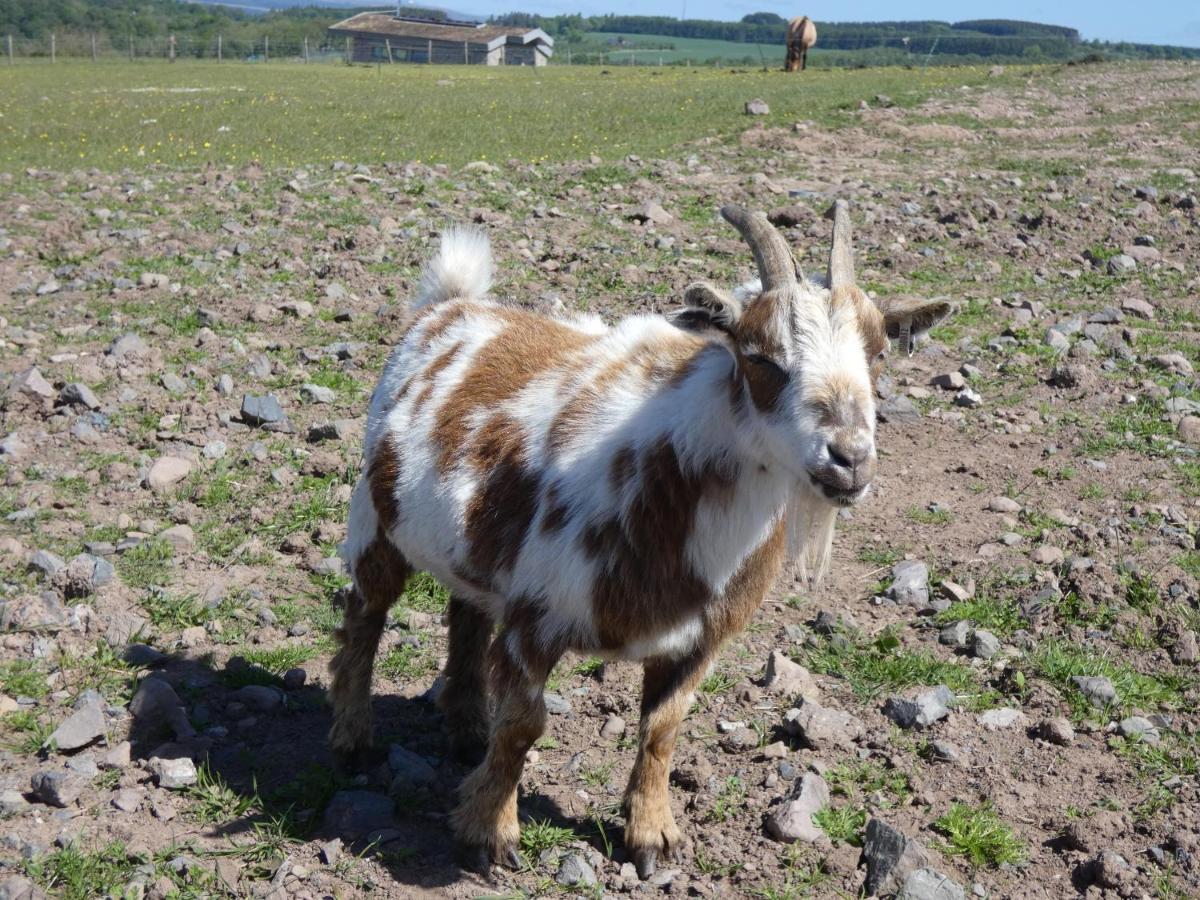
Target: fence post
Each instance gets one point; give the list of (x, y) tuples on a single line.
[(93, 46), (429, 53), (219, 48), (8, 41), (388, 43), (349, 54), (131, 48), (266, 48), (568, 56), (53, 47), (171, 48), (466, 55), (306, 48)]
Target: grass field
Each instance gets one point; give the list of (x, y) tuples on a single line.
[(135, 115), (649, 49)]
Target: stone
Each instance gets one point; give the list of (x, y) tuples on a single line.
[(316, 393), (59, 789), (78, 394), (410, 770), (1111, 870), (172, 383), (1002, 718), (41, 612), (968, 398), (30, 383), (984, 644), (785, 676), (957, 635), (153, 280), (83, 575), (930, 884), (118, 757), (1189, 429), (1057, 730), (1121, 264), (1004, 505), (556, 704), (156, 705), (1138, 728), (127, 800), (1056, 340), (143, 656), (172, 774), (294, 679), (890, 858), (181, 537), (574, 871), (910, 583), (261, 698), (951, 381), (167, 471), (263, 411), (792, 820), (1137, 307), (957, 592), (822, 728), (613, 728), (757, 107), (922, 710), (80, 728), (356, 814), (1098, 690), (128, 345), (652, 212), (1047, 555)]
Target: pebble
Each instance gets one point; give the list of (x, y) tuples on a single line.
[(999, 719), (574, 871), (59, 789), (1098, 690), (922, 710), (1138, 728), (822, 728), (83, 726), (792, 820), (613, 728), (910, 583), (1057, 730), (172, 774), (167, 471), (984, 645)]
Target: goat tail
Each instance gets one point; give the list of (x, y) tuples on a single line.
[(462, 269)]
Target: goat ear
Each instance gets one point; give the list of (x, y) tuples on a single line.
[(722, 310), (907, 318)]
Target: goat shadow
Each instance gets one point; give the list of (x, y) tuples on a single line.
[(279, 759)]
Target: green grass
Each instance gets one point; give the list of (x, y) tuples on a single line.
[(730, 798), (539, 836), (978, 834), (407, 663), (862, 778), (214, 802), (280, 659), (77, 115), (146, 565), (874, 667), (425, 594), (1058, 662), (929, 516), (72, 873), (842, 823), (22, 678)]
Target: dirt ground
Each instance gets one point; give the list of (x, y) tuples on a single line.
[(168, 550)]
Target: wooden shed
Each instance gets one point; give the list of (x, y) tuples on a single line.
[(384, 37)]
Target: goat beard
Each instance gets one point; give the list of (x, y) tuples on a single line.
[(810, 523)]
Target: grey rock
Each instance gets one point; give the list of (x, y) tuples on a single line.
[(910, 583), (410, 769), (143, 656), (890, 858), (1004, 505), (172, 383), (822, 728), (225, 385), (48, 563), (613, 728), (757, 107), (950, 381), (263, 411), (127, 800), (957, 635), (574, 871), (785, 676), (30, 383), (1001, 718), (556, 704), (12, 803), (1138, 728), (1120, 264), (945, 751), (259, 697), (968, 398), (41, 612), (792, 820), (922, 710), (57, 788), (985, 645), (83, 575), (128, 345), (1056, 340), (1057, 731), (316, 393), (156, 704), (173, 774), (294, 679), (929, 884), (80, 728), (352, 815), (1098, 690), (78, 394)]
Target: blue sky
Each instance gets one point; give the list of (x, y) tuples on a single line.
[(1150, 21)]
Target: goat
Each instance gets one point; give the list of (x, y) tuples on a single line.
[(630, 491)]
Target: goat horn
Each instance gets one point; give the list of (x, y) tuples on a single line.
[(771, 253), (841, 256)]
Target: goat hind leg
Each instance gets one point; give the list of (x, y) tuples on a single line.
[(650, 829), (464, 699), (485, 820), (379, 577)]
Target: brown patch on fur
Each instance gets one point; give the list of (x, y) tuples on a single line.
[(622, 468), (643, 554), (529, 346), (556, 514), (748, 587), (444, 317), (430, 373), (382, 474), (765, 380), (759, 321), (870, 325), (502, 509)]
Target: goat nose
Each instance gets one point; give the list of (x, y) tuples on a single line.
[(849, 454)]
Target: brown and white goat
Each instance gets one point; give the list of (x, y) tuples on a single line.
[(625, 491)]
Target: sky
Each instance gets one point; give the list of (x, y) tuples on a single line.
[(1149, 22)]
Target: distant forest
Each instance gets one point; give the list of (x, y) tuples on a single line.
[(196, 26)]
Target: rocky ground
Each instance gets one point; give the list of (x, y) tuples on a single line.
[(993, 694)]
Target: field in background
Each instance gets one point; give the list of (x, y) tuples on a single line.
[(137, 114)]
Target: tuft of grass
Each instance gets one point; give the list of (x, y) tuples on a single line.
[(842, 823), (23, 678), (280, 659), (980, 835), (881, 556), (407, 663), (589, 666), (25, 731), (425, 593), (72, 873), (214, 802), (146, 565), (539, 836), (861, 778), (1058, 662), (881, 665), (929, 516), (730, 798)]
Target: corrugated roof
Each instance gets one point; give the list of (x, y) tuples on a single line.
[(386, 24)]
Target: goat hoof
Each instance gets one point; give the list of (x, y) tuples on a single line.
[(645, 860), (475, 858), (511, 857)]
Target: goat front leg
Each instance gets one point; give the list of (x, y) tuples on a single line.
[(485, 820), (650, 829)]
